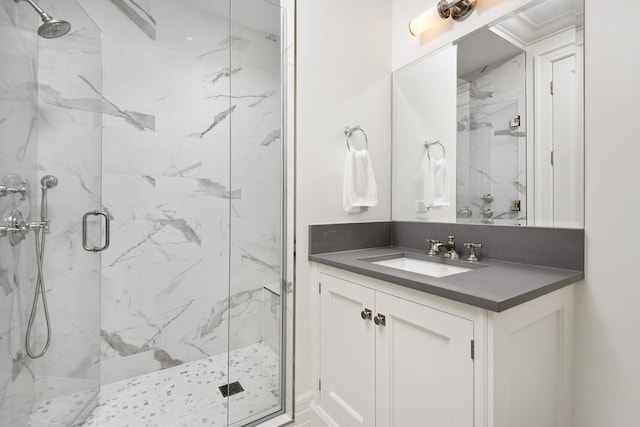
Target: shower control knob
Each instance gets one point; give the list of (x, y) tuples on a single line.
[(14, 227), (433, 245), (487, 198), (14, 184), (487, 213), (472, 251)]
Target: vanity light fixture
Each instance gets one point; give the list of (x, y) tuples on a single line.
[(458, 10)]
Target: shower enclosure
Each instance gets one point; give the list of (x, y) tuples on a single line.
[(163, 125)]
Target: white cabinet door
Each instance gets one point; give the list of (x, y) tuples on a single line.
[(424, 366), (347, 352)]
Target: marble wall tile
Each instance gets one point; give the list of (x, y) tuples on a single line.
[(272, 311), (172, 179), (163, 120), (182, 334)]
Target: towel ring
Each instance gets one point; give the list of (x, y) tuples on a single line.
[(348, 131), (428, 145)]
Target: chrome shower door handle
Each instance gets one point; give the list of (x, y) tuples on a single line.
[(107, 231)]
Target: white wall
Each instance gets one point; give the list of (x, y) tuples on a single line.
[(343, 78), (608, 318)]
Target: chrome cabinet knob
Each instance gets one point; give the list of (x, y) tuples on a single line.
[(366, 314), (380, 320)]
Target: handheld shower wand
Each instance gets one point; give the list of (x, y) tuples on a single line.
[(47, 182)]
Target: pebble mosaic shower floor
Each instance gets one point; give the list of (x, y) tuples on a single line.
[(184, 396)]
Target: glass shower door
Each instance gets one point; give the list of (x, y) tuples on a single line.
[(50, 141), (257, 233), (18, 160), (70, 148)]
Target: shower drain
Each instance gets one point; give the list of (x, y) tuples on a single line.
[(231, 389)]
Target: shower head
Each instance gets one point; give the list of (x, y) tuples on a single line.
[(48, 182), (50, 28), (53, 28)]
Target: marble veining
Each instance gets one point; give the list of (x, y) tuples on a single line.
[(166, 361), (180, 225), (99, 104), (271, 137), (259, 97), (225, 72), (177, 280), (217, 190), (223, 45), (115, 341), (219, 118)]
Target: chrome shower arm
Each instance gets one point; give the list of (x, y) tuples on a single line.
[(37, 8)]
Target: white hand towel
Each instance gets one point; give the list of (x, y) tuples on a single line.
[(359, 190), (436, 183)]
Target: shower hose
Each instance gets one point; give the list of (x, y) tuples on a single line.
[(40, 291)]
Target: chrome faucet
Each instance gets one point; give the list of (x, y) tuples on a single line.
[(450, 247)]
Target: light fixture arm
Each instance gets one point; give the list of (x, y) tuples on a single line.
[(458, 10)]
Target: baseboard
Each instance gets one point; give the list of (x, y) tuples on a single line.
[(320, 418), (303, 410)]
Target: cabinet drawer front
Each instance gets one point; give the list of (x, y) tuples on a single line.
[(347, 352), (424, 366)]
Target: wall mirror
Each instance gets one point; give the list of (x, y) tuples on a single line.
[(489, 129)]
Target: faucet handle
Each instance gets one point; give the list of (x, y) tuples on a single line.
[(472, 251), (452, 240), (433, 244)]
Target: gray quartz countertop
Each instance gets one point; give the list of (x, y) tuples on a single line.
[(491, 284)]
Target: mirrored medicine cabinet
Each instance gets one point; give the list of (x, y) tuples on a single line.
[(489, 129)]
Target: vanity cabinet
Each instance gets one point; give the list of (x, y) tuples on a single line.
[(387, 361), (393, 356)]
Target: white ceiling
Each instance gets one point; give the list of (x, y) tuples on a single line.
[(482, 48), (540, 20), (511, 36)]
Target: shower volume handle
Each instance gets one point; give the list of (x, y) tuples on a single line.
[(107, 231)]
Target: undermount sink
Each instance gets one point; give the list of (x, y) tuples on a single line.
[(404, 261)]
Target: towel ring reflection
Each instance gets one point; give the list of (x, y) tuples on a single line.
[(348, 131), (428, 145)]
